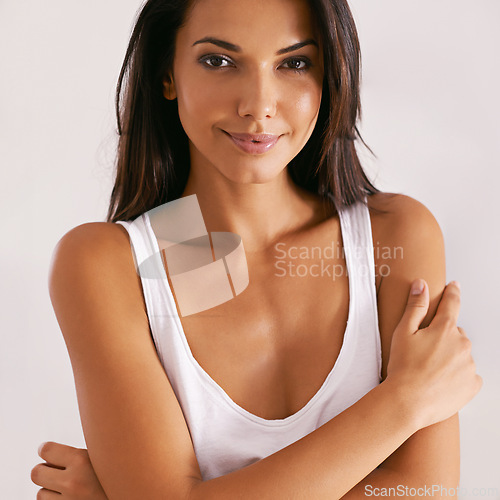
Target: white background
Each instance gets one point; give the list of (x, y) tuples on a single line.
[(431, 80)]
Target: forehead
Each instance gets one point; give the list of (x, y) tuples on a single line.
[(250, 23)]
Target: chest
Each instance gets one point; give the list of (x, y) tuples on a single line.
[(271, 347)]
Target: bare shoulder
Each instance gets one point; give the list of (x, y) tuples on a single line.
[(93, 243), (397, 218), (407, 238), (405, 232), (92, 240), (408, 244), (93, 258)]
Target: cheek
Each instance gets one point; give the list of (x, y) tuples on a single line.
[(304, 106), (308, 103), (199, 102)]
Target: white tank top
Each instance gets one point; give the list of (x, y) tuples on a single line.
[(225, 436)]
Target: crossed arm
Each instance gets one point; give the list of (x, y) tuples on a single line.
[(113, 368)]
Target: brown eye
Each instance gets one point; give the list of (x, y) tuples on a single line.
[(214, 61), (298, 64)]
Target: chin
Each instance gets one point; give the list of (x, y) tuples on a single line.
[(252, 174)]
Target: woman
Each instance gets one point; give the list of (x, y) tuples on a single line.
[(321, 383)]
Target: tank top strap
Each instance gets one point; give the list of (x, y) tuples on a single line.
[(149, 267), (145, 250), (357, 240)]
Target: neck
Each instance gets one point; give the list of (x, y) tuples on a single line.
[(260, 213)]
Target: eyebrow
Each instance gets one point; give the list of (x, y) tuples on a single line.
[(236, 48)]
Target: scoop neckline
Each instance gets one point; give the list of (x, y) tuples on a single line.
[(205, 376)]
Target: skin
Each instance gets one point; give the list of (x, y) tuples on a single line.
[(283, 344)]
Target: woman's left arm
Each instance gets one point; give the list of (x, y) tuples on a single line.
[(408, 244)]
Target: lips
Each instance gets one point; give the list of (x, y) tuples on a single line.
[(253, 143), (254, 137)]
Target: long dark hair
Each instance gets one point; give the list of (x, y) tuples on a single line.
[(153, 154)]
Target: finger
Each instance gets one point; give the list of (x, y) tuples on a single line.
[(56, 454), (449, 305), (417, 306), (46, 476), (44, 494)]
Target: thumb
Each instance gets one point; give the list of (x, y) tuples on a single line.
[(416, 307)]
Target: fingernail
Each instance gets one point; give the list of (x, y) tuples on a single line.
[(417, 287), (40, 447), (456, 283)]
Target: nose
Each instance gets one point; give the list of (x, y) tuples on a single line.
[(258, 96)]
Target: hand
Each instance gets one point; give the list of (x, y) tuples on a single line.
[(433, 366), (67, 471)]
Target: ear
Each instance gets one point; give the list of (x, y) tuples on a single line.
[(169, 88)]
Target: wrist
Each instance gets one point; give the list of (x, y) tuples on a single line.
[(405, 403)]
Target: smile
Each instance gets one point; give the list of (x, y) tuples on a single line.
[(253, 143)]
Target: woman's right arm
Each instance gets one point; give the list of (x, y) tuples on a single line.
[(136, 435)]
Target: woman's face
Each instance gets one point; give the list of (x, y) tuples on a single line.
[(243, 69)]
